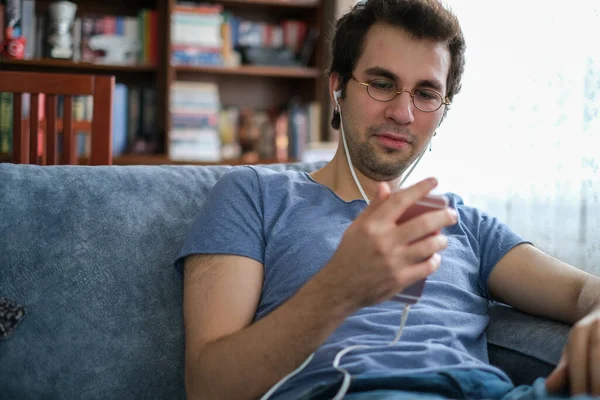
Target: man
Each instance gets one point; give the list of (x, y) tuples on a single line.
[(281, 265)]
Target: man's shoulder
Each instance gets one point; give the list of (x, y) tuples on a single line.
[(258, 178), (468, 215), (257, 170), (262, 173), (245, 174), (471, 217)]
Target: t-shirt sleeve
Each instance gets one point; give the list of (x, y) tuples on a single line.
[(493, 239), (230, 220)]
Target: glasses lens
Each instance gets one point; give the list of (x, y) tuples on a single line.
[(427, 100), (381, 89)]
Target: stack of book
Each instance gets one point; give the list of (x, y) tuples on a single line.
[(195, 109), (196, 37)]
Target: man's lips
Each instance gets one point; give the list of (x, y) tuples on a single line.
[(395, 136), (392, 140)]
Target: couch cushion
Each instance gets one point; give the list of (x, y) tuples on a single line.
[(88, 252), (524, 346)]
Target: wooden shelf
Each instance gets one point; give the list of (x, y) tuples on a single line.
[(76, 126), (161, 159), (279, 3), (156, 159), (253, 70), (71, 65)]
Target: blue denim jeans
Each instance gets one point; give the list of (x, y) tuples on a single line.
[(453, 384)]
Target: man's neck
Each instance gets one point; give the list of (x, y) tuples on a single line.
[(337, 176)]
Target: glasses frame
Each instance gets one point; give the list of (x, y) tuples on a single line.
[(445, 100)]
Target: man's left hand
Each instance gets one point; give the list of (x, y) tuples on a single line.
[(579, 366)]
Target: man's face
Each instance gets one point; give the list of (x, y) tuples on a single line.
[(384, 138)]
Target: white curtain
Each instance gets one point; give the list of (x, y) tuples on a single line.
[(522, 139)]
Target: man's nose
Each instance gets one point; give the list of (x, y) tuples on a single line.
[(401, 109)]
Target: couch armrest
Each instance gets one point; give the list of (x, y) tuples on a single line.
[(522, 345)]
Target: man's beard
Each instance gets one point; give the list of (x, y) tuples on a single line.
[(366, 159)]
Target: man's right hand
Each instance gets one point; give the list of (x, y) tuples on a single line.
[(377, 257)]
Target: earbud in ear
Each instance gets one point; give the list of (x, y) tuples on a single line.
[(337, 94)]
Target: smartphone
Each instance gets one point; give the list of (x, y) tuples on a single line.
[(430, 202), (412, 293)]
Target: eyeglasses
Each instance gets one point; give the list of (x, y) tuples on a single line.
[(426, 100)]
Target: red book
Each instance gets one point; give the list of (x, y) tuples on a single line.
[(153, 37)]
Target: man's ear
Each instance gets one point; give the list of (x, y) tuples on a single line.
[(335, 86)]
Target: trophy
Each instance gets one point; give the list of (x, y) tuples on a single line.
[(59, 42)]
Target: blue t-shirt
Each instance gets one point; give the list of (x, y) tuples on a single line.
[(293, 224)]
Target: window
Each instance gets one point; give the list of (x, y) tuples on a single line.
[(522, 139)]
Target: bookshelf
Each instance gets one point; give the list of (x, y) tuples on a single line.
[(67, 65), (278, 3), (159, 159), (243, 86), (253, 70)]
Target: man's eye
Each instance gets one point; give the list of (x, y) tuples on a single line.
[(426, 95), (383, 85)]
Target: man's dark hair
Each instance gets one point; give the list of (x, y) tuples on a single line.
[(423, 19)]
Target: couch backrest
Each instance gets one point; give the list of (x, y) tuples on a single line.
[(88, 252)]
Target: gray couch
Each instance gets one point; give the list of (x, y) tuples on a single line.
[(88, 252)]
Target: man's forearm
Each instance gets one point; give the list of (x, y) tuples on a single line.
[(589, 297), (246, 364)]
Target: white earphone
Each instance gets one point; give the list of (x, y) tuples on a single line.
[(336, 362), (336, 95)]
